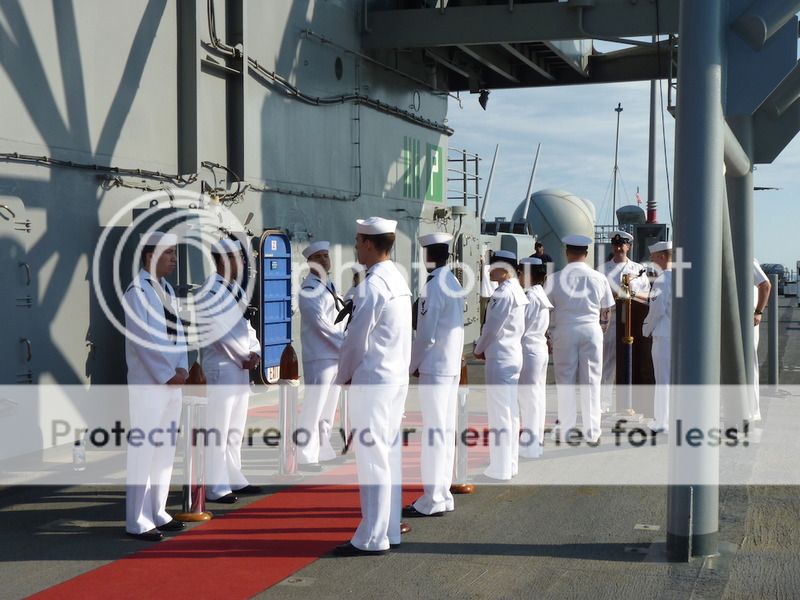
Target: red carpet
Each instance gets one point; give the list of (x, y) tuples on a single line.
[(235, 556)]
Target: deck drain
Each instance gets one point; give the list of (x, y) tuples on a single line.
[(298, 581), (647, 527)]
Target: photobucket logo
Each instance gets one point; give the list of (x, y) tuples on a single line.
[(153, 316)]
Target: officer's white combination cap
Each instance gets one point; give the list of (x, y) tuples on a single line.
[(531, 260), (660, 247), (316, 247), (623, 234), (226, 246), (435, 238), (159, 238), (375, 226), (576, 240)]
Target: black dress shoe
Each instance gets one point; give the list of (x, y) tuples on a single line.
[(154, 535), (226, 499), (249, 489), (404, 527), (349, 550), (394, 546), (172, 526), (310, 468), (410, 512)]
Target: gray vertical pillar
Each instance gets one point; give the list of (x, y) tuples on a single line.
[(188, 81), (692, 510), (740, 201), (772, 333), (652, 154)]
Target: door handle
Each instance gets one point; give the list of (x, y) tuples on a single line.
[(29, 347), (11, 212), (27, 268)]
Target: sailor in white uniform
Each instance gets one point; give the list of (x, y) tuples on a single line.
[(231, 350), (374, 359), (760, 299), (657, 325), (614, 269), (155, 352), (535, 356), (321, 339), (500, 344), (436, 357), (581, 300)]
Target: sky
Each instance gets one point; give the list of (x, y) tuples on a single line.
[(576, 127)]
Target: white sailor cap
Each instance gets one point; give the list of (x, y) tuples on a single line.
[(659, 247), (577, 240), (504, 256), (531, 260), (159, 238), (435, 238), (226, 246), (620, 236), (316, 247), (375, 226)]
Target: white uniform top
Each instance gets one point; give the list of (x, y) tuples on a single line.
[(640, 284), (505, 323), (377, 344), (578, 294), (320, 336), (439, 342), (537, 319), (145, 320), (659, 317), (234, 337), (759, 277)]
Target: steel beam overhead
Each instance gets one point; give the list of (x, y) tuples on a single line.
[(786, 94), (528, 62), (447, 63), (470, 25), (762, 19), (737, 162), (489, 59)]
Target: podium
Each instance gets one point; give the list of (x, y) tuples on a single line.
[(643, 376)]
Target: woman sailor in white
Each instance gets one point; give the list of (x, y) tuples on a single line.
[(436, 357), (500, 344), (231, 349), (155, 352), (658, 324), (321, 338), (535, 355)]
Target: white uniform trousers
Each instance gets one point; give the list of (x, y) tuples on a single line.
[(375, 414), (502, 410), (755, 401), (532, 402), (577, 350), (228, 400), (318, 411), (609, 377), (438, 399), (154, 410), (662, 358)]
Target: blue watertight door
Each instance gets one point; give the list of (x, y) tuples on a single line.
[(276, 301)]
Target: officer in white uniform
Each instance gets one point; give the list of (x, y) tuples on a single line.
[(581, 300), (614, 269), (535, 356), (231, 350), (760, 299), (321, 339), (436, 356), (658, 324), (155, 352), (500, 344), (374, 359)]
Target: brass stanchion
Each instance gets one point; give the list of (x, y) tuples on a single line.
[(628, 341), (460, 486), (194, 487)]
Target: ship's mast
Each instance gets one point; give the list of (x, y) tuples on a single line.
[(617, 110)]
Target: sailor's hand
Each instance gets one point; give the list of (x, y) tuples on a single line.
[(481, 356), (179, 378), (757, 319), (252, 361)]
